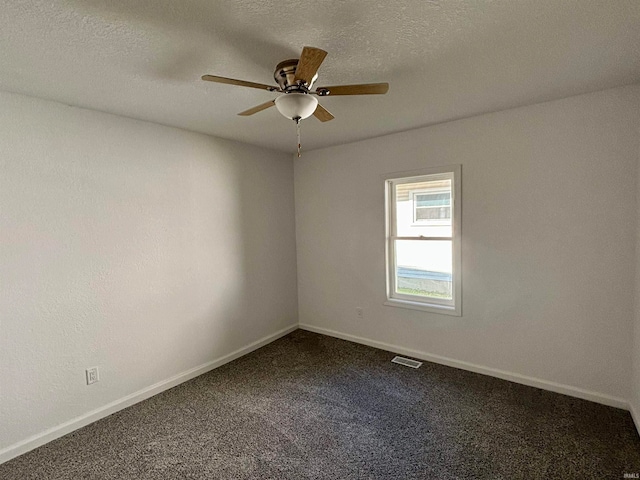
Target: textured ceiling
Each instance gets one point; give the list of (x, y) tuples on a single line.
[(443, 59)]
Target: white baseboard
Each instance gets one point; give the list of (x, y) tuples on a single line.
[(60, 430), (512, 377)]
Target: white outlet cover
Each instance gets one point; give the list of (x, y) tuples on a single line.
[(92, 375)]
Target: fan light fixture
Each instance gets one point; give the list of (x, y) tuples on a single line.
[(295, 78), (296, 105)]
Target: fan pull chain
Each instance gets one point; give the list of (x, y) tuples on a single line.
[(298, 133)]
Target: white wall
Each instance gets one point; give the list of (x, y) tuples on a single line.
[(635, 380), (141, 249), (549, 225)]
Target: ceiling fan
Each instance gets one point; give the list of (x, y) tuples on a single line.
[(295, 78)]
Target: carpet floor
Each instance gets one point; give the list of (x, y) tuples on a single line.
[(313, 407)]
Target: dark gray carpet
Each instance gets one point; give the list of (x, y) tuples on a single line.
[(314, 407)]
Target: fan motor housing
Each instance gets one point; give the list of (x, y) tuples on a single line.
[(285, 76)]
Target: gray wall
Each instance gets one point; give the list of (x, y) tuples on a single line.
[(635, 380)]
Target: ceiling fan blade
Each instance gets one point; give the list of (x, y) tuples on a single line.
[(241, 83), (257, 109), (309, 63), (323, 114), (364, 89)]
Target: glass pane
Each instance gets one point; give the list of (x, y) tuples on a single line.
[(424, 268), (430, 213), (424, 208), (433, 199)]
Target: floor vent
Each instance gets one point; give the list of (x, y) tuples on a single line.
[(407, 362)]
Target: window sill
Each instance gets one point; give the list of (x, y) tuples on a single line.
[(425, 307)]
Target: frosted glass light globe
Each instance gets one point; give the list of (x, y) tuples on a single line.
[(296, 105)]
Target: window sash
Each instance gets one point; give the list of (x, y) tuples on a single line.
[(393, 275)]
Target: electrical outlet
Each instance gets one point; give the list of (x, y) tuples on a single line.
[(92, 375), (359, 313)]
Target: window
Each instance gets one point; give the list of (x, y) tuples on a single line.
[(423, 240), (432, 206)]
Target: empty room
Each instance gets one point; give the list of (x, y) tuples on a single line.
[(245, 239)]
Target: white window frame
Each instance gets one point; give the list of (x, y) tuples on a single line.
[(415, 302)]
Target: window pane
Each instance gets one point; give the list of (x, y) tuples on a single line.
[(424, 208), (439, 213), (433, 199), (424, 268)]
